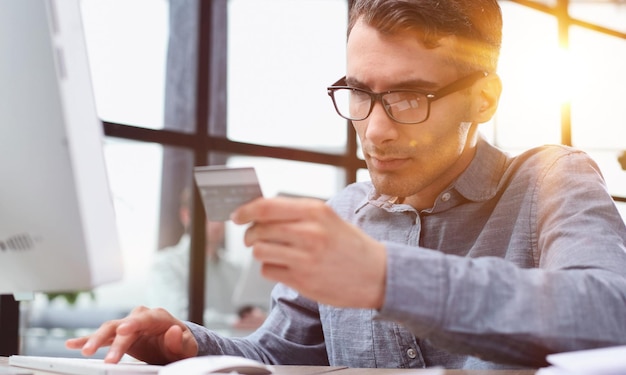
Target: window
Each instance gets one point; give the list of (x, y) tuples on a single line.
[(268, 105), (254, 94)]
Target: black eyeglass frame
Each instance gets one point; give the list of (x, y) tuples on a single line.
[(431, 96)]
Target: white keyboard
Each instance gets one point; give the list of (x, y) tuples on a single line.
[(82, 366)]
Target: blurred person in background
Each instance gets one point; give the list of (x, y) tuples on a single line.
[(169, 277)]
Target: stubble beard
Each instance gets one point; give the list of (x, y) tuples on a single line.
[(394, 185)]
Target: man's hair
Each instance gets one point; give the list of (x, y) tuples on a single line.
[(476, 23)]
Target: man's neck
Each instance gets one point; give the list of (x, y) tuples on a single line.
[(425, 199)]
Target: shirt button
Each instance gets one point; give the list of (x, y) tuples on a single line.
[(445, 197), (412, 353)]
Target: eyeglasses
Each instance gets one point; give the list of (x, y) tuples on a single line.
[(402, 106)]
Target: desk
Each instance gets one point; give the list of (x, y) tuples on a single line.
[(383, 371), (310, 370), (316, 370)]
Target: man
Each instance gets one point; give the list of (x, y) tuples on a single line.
[(456, 254)]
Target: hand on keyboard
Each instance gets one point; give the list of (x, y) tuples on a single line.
[(150, 335)]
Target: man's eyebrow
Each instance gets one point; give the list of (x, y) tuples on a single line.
[(416, 84)]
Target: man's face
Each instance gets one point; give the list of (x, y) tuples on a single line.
[(413, 161)]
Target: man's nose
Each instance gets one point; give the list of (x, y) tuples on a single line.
[(380, 127)]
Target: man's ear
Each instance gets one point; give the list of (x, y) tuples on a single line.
[(489, 90)]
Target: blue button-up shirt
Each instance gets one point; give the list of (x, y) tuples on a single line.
[(520, 257)]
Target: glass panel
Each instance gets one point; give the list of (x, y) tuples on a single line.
[(134, 175), (607, 13), (127, 61), (598, 111), (279, 65), (598, 92), (168, 274), (135, 178), (529, 112)]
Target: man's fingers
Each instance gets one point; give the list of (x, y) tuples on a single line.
[(151, 335), (297, 234), (90, 344), (121, 343), (179, 343), (174, 341), (278, 254), (275, 209), (76, 343)]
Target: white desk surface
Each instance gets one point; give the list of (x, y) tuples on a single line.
[(5, 369)]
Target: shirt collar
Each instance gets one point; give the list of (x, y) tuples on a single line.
[(480, 180)]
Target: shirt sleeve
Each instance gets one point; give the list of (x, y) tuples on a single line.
[(291, 334), (492, 309)]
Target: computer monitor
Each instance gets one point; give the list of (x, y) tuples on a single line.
[(57, 222)]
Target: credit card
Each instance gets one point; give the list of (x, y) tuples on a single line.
[(224, 188)]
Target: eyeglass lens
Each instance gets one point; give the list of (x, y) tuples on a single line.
[(401, 106)]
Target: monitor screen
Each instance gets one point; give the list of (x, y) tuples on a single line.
[(57, 222)]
